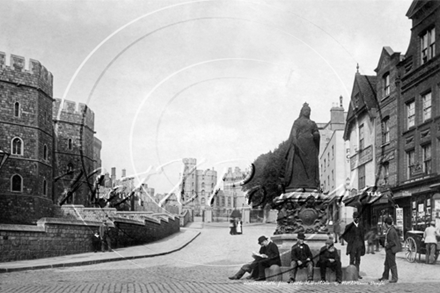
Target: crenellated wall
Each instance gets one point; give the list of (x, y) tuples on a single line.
[(22, 71)]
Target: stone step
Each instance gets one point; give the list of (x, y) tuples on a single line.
[(282, 274)]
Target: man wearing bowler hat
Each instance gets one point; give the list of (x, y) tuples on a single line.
[(354, 235), (301, 257), (267, 256)]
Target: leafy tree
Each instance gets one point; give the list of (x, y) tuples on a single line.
[(267, 181)]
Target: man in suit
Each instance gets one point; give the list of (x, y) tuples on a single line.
[(105, 236), (354, 236), (392, 246), (329, 258), (301, 257), (267, 256)]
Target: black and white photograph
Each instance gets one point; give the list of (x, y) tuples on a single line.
[(219, 146)]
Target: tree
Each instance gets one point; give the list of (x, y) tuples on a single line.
[(267, 181)]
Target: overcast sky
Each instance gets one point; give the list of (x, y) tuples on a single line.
[(220, 81)]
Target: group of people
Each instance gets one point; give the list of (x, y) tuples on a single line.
[(328, 257), (236, 226)]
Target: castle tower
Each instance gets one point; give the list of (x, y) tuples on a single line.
[(74, 148), (26, 132)]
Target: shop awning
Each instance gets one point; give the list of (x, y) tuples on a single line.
[(367, 196)]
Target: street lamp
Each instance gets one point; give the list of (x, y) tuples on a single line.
[(3, 157)]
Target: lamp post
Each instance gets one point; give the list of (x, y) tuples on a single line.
[(3, 157)]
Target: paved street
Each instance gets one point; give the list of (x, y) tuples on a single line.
[(203, 266)]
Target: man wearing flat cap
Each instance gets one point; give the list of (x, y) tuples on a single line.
[(301, 257), (267, 256), (329, 258), (392, 246), (354, 235)]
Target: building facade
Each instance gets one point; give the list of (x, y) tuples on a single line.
[(419, 123)]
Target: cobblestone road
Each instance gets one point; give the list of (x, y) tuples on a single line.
[(203, 266)]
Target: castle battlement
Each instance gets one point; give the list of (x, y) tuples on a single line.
[(22, 71), (73, 112)]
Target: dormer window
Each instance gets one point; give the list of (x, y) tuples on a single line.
[(427, 42)]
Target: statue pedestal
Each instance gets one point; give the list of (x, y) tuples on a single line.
[(301, 211)]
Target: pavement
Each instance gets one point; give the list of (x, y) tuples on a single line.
[(198, 259), (164, 246)]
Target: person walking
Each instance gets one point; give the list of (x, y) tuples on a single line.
[(105, 236), (392, 246), (301, 257), (430, 239), (233, 227), (329, 258), (267, 256), (371, 238), (239, 227), (354, 235)]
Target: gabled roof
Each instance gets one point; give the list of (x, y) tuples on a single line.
[(415, 6), (386, 52), (366, 86)]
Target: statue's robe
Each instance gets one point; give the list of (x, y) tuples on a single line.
[(302, 165)]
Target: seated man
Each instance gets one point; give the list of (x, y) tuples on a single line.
[(301, 257), (329, 258), (267, 256)]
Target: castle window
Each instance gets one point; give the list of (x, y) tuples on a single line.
[(410, 114), (203, 184), (69, 169), (427, 42), (426, 99), (16, 183), (44, 187), (203, 201), (45, 152), (69, 144), (386, 85), (17, 109), (17, 146)]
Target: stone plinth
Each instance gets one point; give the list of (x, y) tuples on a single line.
[(301, 211)]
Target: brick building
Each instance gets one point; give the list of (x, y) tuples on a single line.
[(419, 123)]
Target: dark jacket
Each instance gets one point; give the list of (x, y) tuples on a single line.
[(392, 240), (325, 255), (300, 252), (355, 238), (271, 250)]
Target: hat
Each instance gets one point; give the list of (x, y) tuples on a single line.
[(388, 221), (355, 215), (261, 239), (301, 235), (433, 223), (329, 241)]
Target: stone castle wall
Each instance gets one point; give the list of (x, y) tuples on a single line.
[(55, 236)]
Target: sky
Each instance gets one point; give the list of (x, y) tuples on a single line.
[(219, 81)]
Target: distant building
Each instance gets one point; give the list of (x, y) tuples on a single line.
[(197, 185)]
